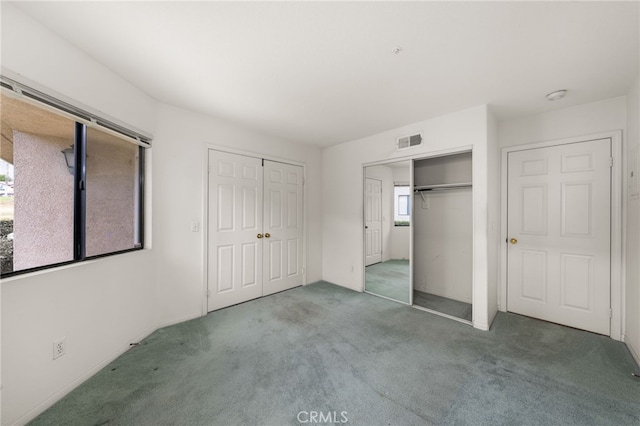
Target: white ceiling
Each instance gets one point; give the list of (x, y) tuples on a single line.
[(324, 72)]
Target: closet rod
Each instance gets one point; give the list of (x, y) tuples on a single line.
[(443, 186)]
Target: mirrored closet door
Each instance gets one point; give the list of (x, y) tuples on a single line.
[(387, 230)]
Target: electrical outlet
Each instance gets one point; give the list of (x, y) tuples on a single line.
[(59, 348)]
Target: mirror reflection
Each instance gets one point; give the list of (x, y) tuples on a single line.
[(387, 218)]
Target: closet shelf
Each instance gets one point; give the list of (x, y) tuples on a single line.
[(442, 186)]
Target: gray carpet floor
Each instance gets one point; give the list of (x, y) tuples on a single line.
[(325, 349), (389, 279), (445, 305)]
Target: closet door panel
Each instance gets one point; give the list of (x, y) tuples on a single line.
[(235, 220), (283, 226)]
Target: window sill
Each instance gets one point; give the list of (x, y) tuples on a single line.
[(19, 275)]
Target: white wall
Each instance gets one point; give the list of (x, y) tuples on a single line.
[(585, 119), (402, 174), (37, 54), (342, 212), (632, 320), (103, 305), (443, 244), (400, 242), (454, 168), (179, 156), (100, 306), (493, 218)]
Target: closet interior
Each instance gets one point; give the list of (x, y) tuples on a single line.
[(443, 235)]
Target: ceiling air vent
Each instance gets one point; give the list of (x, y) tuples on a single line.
[(409, 141)]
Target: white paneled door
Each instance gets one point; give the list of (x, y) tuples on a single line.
[(559, 227), (235, 229), (282, 226), (255, 228), (373, 221)]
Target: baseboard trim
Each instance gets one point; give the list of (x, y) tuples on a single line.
[(492, 319), (57, 396), (634, 354), (481, 326), (179, 320), (440, 314), (357, 289)]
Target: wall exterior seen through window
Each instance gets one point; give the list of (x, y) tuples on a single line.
[(43, 194), (38, 216), (111, 193)]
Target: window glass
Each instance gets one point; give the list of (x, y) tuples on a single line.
[(402, 205), (36, 187), (112, 198)]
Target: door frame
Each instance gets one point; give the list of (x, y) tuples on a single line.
[(618, 219), (204, 223)]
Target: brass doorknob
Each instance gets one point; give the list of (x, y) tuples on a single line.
[(267, 235), (513, 241), (259, 235)]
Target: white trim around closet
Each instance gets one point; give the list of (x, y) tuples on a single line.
[(205, 210)]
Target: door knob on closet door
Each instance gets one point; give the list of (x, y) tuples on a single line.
[(267, 235), (513, 241), (259, 235)]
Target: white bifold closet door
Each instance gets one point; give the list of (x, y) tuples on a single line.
[(282, 226), (255, 228)]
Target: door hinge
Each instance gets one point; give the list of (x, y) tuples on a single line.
[(610, 161), (610, 313), (208, 293)]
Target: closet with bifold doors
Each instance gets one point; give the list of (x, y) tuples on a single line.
[(255, 228), (442, 225)]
